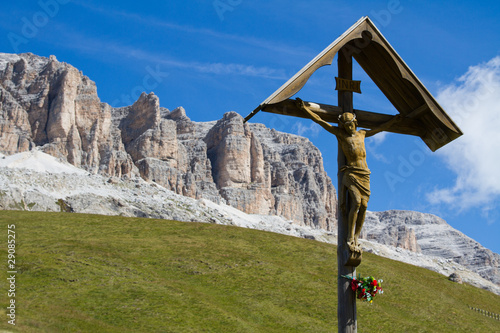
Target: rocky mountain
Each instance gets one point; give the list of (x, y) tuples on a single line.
[(50, 107), (49, 104), (430, 235)]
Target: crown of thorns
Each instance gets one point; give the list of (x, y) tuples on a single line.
[(347, 122)]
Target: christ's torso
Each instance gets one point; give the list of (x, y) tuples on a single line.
[(354, 150)]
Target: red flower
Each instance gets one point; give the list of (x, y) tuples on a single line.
[(354, 285), (365, 288)]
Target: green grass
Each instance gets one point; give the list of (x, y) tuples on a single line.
[(89, 273)]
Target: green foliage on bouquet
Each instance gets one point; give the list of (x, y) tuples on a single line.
[(366, 288)]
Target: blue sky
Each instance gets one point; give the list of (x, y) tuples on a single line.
[(229, 55)]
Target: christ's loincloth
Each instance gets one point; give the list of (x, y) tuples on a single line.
[(358, 177)]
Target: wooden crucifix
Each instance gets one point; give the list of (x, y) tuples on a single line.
[(419, 115)]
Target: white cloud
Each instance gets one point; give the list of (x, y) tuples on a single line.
[(372, 143), (237, 69), (378, 139), (302, 129), (473, 102)]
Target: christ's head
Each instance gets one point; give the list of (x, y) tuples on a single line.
[(348, 121)]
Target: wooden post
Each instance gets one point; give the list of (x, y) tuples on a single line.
[(346, 307)]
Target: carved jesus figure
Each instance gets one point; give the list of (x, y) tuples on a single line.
[(356, 179)]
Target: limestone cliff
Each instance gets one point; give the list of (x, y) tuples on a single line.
[(49, 104)]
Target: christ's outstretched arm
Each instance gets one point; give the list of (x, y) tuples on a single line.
[(384, 126), (330, 128)]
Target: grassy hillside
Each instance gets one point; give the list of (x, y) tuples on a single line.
[(88, 273)]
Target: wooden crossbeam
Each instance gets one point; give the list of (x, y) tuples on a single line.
[(366, 119)]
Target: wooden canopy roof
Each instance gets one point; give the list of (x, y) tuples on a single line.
[(423, 116)]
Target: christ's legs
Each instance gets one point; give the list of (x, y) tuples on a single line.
[(360, 218), (355, 205)]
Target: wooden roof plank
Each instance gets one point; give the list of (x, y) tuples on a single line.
[(418, 111), (388, 77), (390, 87)]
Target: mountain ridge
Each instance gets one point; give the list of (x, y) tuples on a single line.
[(53, 106)]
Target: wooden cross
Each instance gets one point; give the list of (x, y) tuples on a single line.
[(420, 115)]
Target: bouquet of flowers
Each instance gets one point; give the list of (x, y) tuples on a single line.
[(366, 288)]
